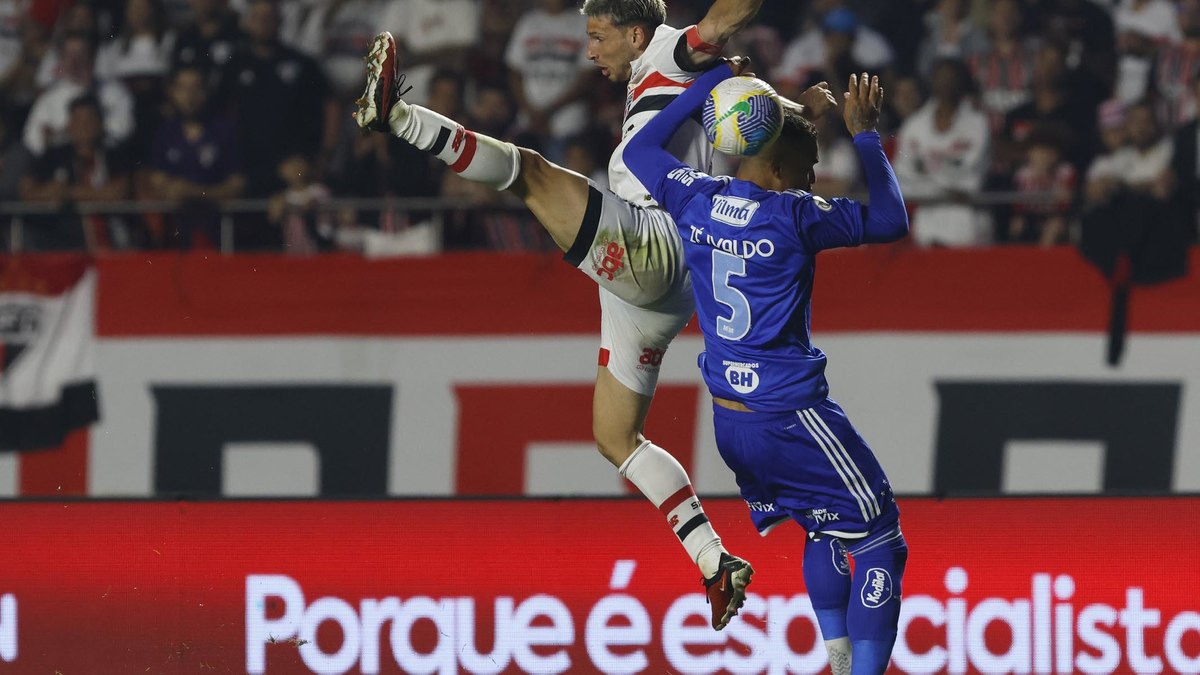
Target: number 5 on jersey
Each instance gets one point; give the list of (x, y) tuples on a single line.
[(724, 266)]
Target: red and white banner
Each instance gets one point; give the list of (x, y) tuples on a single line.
[(1016, 585), (471, 374), (47, 357)]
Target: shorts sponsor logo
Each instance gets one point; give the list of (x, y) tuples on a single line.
[(878, 588), (824, 515), (610, 260), (762, 507), (841, 560), (733, 210), (651, 357)]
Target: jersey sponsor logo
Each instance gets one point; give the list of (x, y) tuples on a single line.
[(741, 376), (878, 588), (611, 257), (762, 507), (733, 210)]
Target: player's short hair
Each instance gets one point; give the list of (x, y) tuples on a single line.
[(653, 13), (796, 148)]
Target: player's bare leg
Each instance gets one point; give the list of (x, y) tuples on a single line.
[(618, 417)]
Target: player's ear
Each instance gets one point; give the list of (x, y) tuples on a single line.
[(639, 36)]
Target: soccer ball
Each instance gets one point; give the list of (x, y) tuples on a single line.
[(742, 115)]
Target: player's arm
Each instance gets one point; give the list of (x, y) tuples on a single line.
[(844, 222), (706, 39), (886, 218), (646, 153)]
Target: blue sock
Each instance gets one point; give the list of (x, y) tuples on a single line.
[(874, 610), (870, 657)]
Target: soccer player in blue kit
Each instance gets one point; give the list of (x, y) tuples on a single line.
[(751, 244)]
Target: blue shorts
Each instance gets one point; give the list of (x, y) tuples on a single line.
[(809, 465)]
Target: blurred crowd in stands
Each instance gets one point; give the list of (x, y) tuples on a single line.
[(1072, 114)]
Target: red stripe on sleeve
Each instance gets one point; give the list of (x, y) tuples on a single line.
[(657, 79), (464, 160), (684, 493), (604, 354)]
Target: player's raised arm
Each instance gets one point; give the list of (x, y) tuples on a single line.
[(887, 219), (646, 154), (706, 39)]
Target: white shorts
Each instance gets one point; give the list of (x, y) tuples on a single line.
[(636, 257)]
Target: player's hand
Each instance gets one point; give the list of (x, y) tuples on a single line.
[(740, 65), (864, 98), (817, 100)]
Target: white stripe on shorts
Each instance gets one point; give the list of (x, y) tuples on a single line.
[(837, 466), (872, 503)]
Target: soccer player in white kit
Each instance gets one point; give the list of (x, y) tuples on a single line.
[(620, 238)]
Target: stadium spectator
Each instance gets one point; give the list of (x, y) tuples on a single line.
[(949, 34), (433, 35), (1044, 171), (900, 22), (1140, 167), (1176, 66), (305, 227), (265, 74), (142, 48), (209, 39), (139, 57), (1085, 31), (194, 158), (77, 18), (46, 126), (941, 157), (18, 82), (1003, 68), (1143, 26), (906, 97), (837, 44), (337, 34), (837, 173), (549, 75), (1053, 100), (12, 15), (85, 169)]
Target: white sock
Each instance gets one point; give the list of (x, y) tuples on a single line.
[(476, 157), (664, 482), (839, 655)]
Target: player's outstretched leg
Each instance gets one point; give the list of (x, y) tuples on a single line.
[(557, 197), (618, 416), (827, 578)]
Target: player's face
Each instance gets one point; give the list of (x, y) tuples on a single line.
[(611, 48)]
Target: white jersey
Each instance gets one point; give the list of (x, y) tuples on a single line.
[(656, 80)]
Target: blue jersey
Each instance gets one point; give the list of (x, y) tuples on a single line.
[(752, 256)]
